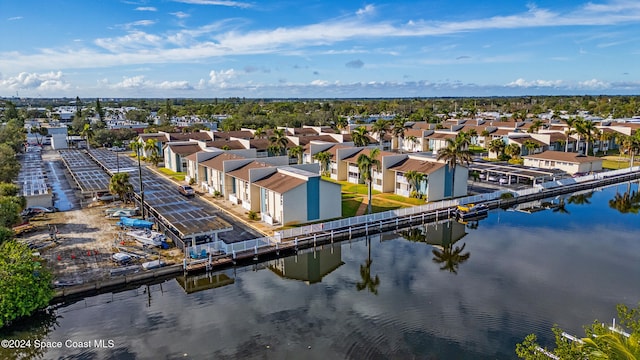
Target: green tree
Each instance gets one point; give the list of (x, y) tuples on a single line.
[(297, 152), (324, 158), (259, 133), (99, 110), (513, 150), (87, 133), (360, 137), (25, 284), (536, 125), (341, 123), (415, 179), (456, 152), (9, 165), (279, 141), (153, 152), (397, 130), (9, 211), (569, 131), (497, 146), (13, 135), (531, 146), (7, 189), (599, 342), (120, 185), (366, 164), (380, 127)]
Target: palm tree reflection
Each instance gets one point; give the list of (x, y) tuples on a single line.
[(626, 203), (368, 282), (443, 237), (580, 199)]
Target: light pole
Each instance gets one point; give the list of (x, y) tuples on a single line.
[(137, 147)]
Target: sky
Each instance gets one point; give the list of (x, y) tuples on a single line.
[(318, 48)]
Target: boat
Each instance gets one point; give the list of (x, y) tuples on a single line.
[(471, 211), (121, 258), (121, 212), (148, 237), (154, 264), (127, 222)]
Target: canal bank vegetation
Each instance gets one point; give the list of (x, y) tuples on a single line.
[(601, 341), (25, 283)]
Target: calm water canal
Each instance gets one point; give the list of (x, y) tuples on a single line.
[(446, 291)]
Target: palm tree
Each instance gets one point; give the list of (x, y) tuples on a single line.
[(535, 126), (530, 145), (605, 138), (626, 203), (120, 185), (87, 133), (398, 131), (324, 158), (414, 179), (341, 123), (513, 150), (380, 127), (456, 152), (497, 146), (580, 199), (151, 148), (259, 133), (473, 136), (366, 165), (485, 134), (137, 146), (359, 136), (569, 131), (413, 141), (279, 141), (297, 152), (631, 145)]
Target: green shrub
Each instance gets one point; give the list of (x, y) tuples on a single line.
[(253, 215)]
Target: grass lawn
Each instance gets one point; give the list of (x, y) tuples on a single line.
[(350, 207), (178, 176), (380, 205), (614, 165), (402, 199)]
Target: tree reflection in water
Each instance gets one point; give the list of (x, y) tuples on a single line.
[(627, 202), (444, 238), (36, 327), (368, 282)]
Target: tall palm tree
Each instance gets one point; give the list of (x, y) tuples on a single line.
[(380, 127), (366, 164), (456, 152), (398, 130), (569, 131), (324, 158), (530, 146), (535, 126), (359, 136), (259, 133), (497, 146), (485, 134), (631, 145), (413, 141), (513, 150), (87, 133), (120, 185), (151, 148), (341, 123), (297, 152), (279, 141), (414, 179)]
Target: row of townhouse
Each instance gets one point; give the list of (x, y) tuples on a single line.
[(281, 193), (437, 183)]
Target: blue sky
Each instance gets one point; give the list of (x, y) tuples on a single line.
[(256, 49)]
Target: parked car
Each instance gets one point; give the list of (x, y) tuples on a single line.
[(482, 176), (503, 180), (186, 190), (117, 148), (492, 178)]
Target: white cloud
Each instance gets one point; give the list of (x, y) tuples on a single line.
[(146, 8), (15, 18), (216, 2), (139, 23), (221, 78), (593, 84), (368, 9), (139, 82), (320, 83), (180, 15), (50, 81), (535, 83)]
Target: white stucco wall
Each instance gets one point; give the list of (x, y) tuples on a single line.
[(295, 206), (330, 200)]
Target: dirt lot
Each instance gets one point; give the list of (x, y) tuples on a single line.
[(78, 244)]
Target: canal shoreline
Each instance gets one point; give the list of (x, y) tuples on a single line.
[(291, 246)]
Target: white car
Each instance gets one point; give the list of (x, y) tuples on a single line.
[(492, 178), (503, 180)]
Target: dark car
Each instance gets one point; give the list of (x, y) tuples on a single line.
[(186, 190)]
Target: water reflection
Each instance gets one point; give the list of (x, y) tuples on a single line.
[(195, 283), (444, 238), (368, 282), (36, 327), (627, 202), (310, 266), (581, 198)]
